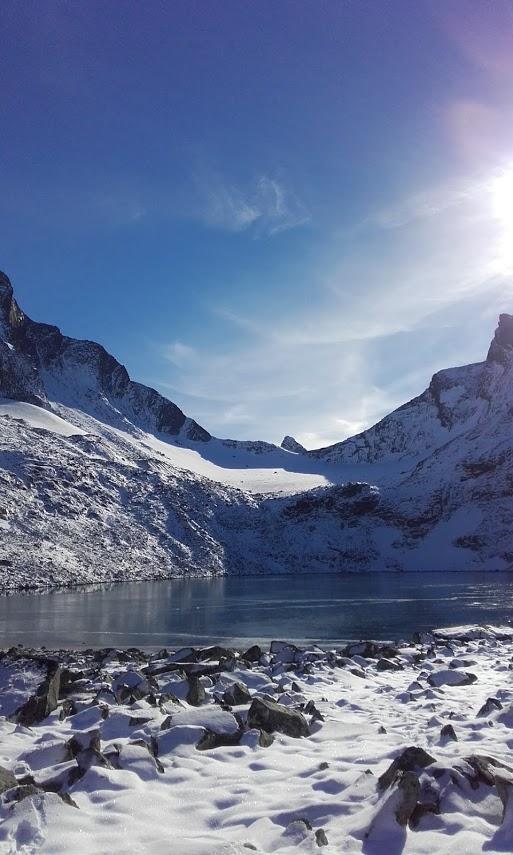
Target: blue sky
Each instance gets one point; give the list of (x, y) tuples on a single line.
[(283, 215)]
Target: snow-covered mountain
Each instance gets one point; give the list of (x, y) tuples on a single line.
[(102, 478)]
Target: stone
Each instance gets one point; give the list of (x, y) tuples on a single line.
[(196, 694), (409, 790), (283, 651), (448, 732), (7, 780), (311, 709), (490, 705), (90, 739), (486, 769), (252, 654), (320, 837), (45, 701), (236, 694), (267, 715), (265, 740), (210, 740), (451, 678), (411, 758), (387, 665)]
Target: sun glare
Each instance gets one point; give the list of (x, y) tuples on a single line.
[(502, 200)]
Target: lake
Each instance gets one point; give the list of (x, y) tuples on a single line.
[(323, 608)]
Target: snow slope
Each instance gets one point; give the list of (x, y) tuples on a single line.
[(395, 755), (102, 478)]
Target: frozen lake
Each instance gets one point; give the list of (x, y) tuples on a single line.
[(327, 608)]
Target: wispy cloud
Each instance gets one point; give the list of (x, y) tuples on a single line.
[(265, 205), (379, 323)]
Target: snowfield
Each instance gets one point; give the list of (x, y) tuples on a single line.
[(365, 749)]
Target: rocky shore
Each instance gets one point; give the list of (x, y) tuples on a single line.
[(368, 747)]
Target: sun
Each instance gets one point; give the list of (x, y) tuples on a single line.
[(502, 202)]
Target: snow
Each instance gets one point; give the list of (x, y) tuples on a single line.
[(275, 798), (37, 417)]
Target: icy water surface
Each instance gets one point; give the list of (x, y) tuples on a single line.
[(325, 608)]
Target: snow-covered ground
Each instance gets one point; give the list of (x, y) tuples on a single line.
[(188, 752)]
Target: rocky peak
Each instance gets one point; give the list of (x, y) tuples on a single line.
[(5, 297), (5, 286), (502, 343), (39, 364), (10, 313), (291, 444)]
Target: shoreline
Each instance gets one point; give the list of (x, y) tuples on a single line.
[(70, 587)]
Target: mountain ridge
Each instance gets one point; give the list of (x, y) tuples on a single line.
[(102, 479)]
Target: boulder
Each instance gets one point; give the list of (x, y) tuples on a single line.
[(215, 740), (196, 694), (451, 678), (7, 780), (267, 715), (490, 705), (448, 732), (411, 758), (320, 837), (252, 654), (387, 665), (236, 694), (283, 651), (44, 702)]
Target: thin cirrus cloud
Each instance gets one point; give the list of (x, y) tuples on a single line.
[(379, 324), (265, 206)]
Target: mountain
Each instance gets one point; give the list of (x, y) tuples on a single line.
[(38, 363), (102, 478), (457, 400)]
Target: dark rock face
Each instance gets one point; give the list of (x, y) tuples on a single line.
[(502, 343), (7, 780), (196, 694), (30, 351), (269, 716), (39, 706), (409, 789)]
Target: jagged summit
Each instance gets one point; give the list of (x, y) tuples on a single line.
[(291, 444), (502, 342), (5, 284), (456, 400), (39, 365)]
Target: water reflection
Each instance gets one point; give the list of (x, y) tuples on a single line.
[(325, 608)]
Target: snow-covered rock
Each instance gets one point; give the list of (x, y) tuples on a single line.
[(291, 444)]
